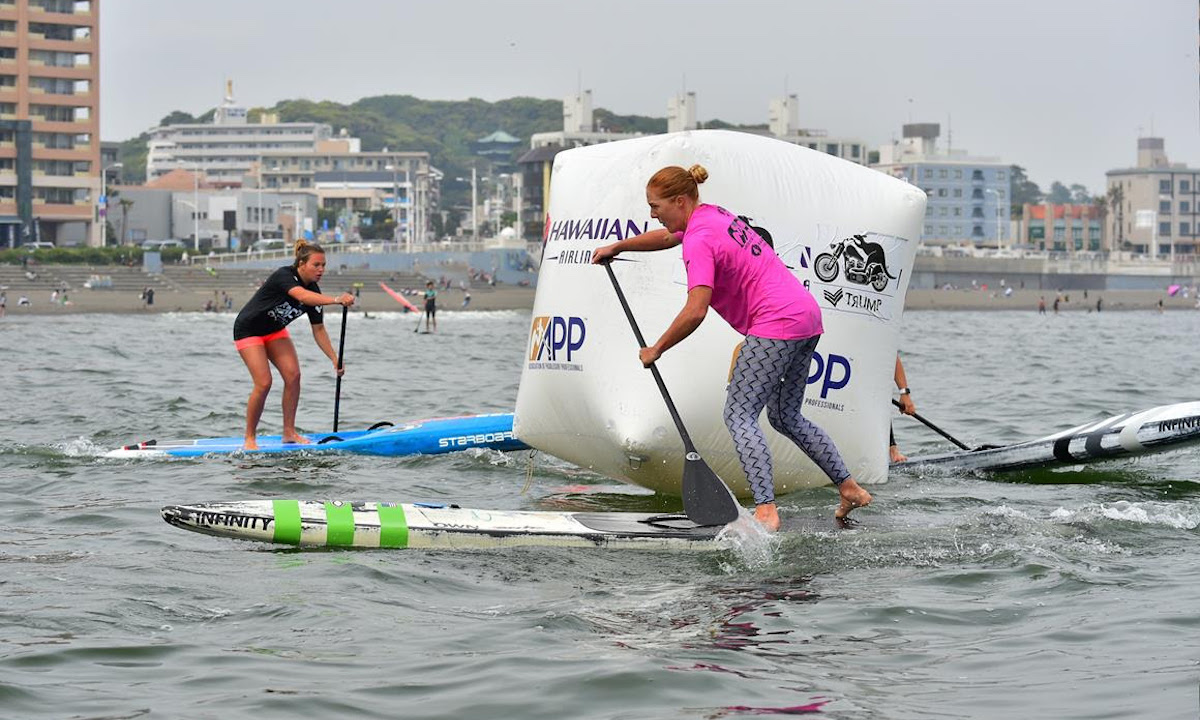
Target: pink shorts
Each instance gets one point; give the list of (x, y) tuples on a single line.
[(260, 339)]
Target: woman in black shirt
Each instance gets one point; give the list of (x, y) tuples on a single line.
[(261, 337)]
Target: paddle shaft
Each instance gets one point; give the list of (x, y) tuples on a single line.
[(337, 393), (934, 428), (662, 387)]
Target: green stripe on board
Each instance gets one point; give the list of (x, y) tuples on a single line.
[(339, 525), (393, 527), (287, 521)]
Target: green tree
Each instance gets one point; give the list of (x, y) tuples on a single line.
[(1059, 194), (1024, 191), (125, 204), (1080, 194)]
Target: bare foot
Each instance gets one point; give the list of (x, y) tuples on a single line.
[(250, 443), (296, 439), (853, 496), (768, 515), (896, 455)]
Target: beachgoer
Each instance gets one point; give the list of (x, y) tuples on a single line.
[(1042, 305), (261, 337), (1099, 303), (466, 298), (1056, 299), (430, 306), (1160, 305), (3, 303), (906, 406), (728, 269), (23, 301)]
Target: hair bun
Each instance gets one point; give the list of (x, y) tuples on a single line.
[(698, 173)]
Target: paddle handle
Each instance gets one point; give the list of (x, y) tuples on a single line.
[(934, 428), (337, 393), (662, 386)]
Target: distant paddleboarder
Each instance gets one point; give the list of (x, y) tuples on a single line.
[(430, 306), (730, 267), (261, 337)]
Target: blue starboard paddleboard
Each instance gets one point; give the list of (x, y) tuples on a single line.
[(310, 523), (422, 437), (1167, 427)]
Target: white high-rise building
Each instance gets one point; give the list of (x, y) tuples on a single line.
[(229, 147), (681, 112)]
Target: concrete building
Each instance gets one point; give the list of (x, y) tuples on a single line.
[(1152, 207), (1068, 228), (681, 112), (227, 148), (352, 182), (783, 123), (49, 121), (579, 126), (224, 218), (969, 197)]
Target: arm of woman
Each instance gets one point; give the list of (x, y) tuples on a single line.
[(321, 335), (684, 324), (906, 404), (646, 242), (313, 299)]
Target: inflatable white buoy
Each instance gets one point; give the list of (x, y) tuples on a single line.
[(848, 232)]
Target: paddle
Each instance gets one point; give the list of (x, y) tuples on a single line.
[(706, 498), (337, 394), (935, 428)]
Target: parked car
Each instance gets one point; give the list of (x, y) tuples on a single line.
[(163, 244), (38, 246)]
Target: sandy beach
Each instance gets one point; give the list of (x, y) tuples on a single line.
[(127, 299)]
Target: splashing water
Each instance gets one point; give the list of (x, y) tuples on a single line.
[(753, 545)]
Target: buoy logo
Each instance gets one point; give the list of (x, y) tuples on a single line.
[(555, 342)]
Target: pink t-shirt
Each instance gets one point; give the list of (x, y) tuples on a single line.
[(751, 287)]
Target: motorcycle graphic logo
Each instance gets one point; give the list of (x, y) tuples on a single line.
[(864, 262)]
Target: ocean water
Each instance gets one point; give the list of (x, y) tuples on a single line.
[(1050, 594)]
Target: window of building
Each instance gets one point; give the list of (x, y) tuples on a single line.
[(854, 150), (1184, 186), (928, 228), (977, 175), (1164, 229), (957, 192), (977, 231), (1164, 207), (977, 212), (942, 211), (1001, 193), (958, 173), (1185, 228), (941, 192), (1000, 175), (1164, 186), (831, 148), (942, 230), (928, 209), (957, 212), (927, 173), (942, 172), (1184, 207)]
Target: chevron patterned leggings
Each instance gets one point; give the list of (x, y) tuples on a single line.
[(772, 374)]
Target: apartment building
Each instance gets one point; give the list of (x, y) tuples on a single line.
[(49, 122), (1152, 208), (969, 196), (228, 148), (353, 182)]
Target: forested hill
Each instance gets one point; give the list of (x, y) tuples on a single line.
[(444, 128)]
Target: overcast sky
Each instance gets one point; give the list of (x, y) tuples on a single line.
[(1061, 87)]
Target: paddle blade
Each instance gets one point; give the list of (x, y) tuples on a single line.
[(706, 499)]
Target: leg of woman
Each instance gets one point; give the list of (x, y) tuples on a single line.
[(755, 374), (255, 357), (784, 411), (283, 356)]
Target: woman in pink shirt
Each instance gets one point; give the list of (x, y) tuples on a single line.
[(733, 270)]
